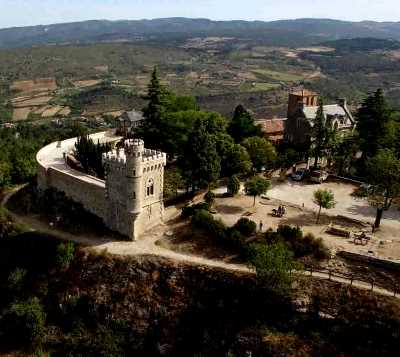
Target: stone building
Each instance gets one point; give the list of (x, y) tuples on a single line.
[(134, 187), (128, 122), (273, 129), (302, 110), (129, 200)]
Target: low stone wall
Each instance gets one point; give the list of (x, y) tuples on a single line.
[(381, 263)]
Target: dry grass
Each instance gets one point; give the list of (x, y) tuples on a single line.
[(87, 83), (21, 113), (39, 84), (31, 102)]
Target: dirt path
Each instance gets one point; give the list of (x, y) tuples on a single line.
[(148, 246)]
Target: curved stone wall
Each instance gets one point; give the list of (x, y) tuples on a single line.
[(54, 172)]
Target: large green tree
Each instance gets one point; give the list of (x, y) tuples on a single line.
[(261, 151), (373, 118), (158, 99), (321, 133), (242, 125), (200, 162), (383, 173)]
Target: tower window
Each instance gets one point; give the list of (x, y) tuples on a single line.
[(150, 187)]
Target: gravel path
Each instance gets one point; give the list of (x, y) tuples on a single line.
[(148, 246)]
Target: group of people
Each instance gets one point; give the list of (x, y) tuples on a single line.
[(281, 210)]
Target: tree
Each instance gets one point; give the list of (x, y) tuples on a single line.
[(233, 185), (242, 125), (261, 151), (373, 117), (157, 97), (383, 172), (200, 162), (236, 161), (90, 155), (257, 186), (320, 133), (274, 265), (324, 199), (172, 182)]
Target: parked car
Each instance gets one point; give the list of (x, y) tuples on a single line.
[(300, 175), (318, 176)]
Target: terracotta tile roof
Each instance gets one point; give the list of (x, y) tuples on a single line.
[(272, 126)]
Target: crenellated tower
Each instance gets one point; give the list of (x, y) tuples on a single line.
[(134, 187)]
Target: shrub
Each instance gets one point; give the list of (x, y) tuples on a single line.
[(209, 198), (16, 280), (246, 227), (189, 211), (65, 254), (233, 186), (302, 245), (204, 220), (274, 265), (25, 322)]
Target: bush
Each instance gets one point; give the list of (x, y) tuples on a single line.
[(246, 227), (209, 198), (65, 254), (189, 211), (204, 220), (24, 322), (16, 280), (233, 186), (302, 245)]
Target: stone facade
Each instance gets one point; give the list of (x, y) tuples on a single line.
[(130, 200), (302, 110), (134, 188)]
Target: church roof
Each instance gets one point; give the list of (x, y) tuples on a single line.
[(330, 110)]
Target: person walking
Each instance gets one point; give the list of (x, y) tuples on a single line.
[(261, 226)]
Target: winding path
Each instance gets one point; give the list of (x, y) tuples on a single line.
[(148, 246)]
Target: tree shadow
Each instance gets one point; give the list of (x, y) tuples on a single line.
[(227, 209)]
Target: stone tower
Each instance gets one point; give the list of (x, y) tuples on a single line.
[(300, 99), (134, 188)]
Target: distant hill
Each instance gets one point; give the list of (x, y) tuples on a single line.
[(362, 44), (176, 30)]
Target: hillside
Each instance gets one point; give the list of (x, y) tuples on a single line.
[(66, 300), (176, 30)]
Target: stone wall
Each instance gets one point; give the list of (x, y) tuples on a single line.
[(90, 194)]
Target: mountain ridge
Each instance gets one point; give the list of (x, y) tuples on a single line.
[(305, 31)]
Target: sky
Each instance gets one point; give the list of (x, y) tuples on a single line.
[(35, 12)]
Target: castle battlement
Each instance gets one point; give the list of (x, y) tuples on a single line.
[(129, 200), (120, 157)]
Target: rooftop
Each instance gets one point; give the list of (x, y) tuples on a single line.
[(132, 116), (271, 126), (331, 110)]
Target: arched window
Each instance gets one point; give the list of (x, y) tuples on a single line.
[(150, 187)]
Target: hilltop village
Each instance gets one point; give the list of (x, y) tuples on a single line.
[(173, 195)]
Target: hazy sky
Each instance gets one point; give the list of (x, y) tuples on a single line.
[(34, 12)]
